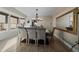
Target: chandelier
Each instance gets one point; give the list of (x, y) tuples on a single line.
[(36, 17)]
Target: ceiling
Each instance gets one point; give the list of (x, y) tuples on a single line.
[(42, 11)]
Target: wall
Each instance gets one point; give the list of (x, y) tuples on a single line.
[(67, 38), (15, 11), (7, 38), (11, 12), (8, 34), (5, 34), (30, 21), (46, 22)]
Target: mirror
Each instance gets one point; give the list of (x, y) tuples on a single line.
[(68, 21), (65, 22)]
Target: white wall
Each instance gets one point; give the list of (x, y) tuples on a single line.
[(11, 12), (8, 34), (46, 22), (15, 11), (7, 37), (28, 24)]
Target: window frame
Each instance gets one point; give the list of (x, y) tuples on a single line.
[(16, 18), (17, 21), (6, 16), (5, 21)]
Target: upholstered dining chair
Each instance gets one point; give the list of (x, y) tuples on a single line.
[(22, 35), (31, 34), (41, 35), (52, 34)]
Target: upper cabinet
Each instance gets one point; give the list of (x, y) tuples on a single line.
[(68, 21)]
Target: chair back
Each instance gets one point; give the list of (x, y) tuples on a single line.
[(41, 34), (31, 33), (22, 33)]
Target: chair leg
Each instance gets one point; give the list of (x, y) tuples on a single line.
[(44, 43), (35, 42), (28, 41), (20, 41)]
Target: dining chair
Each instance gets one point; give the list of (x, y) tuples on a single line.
[(31, 34), (22, 34), (41, 35)]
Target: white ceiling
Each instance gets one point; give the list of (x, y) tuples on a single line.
[(42, 11)]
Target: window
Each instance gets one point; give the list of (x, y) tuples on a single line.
[(13, 22), (22, 22), (3, 21)]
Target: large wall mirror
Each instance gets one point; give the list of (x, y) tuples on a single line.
[(68, 21)]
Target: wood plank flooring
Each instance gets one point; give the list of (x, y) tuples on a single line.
[(54, 46)]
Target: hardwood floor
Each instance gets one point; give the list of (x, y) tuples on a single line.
[(54, 46)]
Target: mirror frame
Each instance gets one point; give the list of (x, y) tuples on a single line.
[(75, 20)]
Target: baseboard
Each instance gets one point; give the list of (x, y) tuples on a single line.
[(63, 41)]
